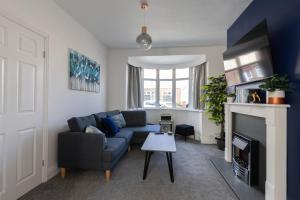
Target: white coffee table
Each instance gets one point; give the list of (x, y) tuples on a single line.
[(159, 143)]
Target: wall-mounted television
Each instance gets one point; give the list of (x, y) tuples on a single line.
[(250, 59)]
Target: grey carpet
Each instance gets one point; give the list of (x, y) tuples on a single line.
[(195, 178)]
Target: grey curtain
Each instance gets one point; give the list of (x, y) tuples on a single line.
[(134, 98), (199, 81)]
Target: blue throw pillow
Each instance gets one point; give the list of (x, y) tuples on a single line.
[(110, 126), (119, 120)]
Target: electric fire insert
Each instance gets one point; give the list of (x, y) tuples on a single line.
[(245, 160)]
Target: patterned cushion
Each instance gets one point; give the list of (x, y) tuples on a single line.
[(119, 120), (92, 129)]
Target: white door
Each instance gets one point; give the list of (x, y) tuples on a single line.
[(21, 109)]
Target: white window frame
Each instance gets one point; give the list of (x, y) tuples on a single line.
[(174, 80)]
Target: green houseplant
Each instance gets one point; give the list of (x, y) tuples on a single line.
[(276, 86), (214, 96)]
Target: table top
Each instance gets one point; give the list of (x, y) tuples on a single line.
[(159, 142)]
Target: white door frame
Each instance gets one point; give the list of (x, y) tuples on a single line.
[(45, 89)]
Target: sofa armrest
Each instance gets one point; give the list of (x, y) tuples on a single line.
[(80, 150), (135, 117)]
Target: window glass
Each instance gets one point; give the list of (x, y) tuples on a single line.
[(182, 93), (149, 93), (182, 73), (166, 74), (165, 94), (166, 81), (150, 73)]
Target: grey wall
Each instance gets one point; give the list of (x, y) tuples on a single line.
[(254, 127)]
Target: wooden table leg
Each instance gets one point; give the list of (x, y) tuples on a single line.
[(63, 172)]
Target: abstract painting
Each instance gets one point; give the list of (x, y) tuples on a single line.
[(84, 73)]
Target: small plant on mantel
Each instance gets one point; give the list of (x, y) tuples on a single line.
[(214, 95), (276, 86)]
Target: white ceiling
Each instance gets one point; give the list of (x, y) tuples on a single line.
[(171, 23), (169, 61)]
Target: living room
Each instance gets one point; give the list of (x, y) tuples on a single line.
[(149, 99)]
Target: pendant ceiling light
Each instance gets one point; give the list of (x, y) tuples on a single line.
[(144, 39)]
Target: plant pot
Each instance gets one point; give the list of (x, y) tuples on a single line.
[(276, 97), (230, 99), (220, 143)]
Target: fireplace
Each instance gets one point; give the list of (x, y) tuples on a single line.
[(245, 158), (276, 143)]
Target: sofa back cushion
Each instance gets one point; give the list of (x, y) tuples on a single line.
[(112, 112), (135, 118), (78, 124), (119, 120), (99, 117)]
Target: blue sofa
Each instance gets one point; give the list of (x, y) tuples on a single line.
[(77, 149)]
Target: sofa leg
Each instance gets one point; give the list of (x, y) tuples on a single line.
[(62, 172), (107, 175), (129, 148)]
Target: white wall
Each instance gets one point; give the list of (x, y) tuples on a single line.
[(118, 58), (64, 33)]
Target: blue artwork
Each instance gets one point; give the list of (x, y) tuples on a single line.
[(84, 73)]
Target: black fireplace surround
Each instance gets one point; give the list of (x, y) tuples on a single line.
[(245, 158)]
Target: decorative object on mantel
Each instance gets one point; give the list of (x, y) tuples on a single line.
[(84, 73), (144, 40), (276, 86), (230, 97), (214, 95), (241, 95), (256, 96)]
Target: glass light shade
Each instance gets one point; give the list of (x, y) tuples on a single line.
[(144, 40)]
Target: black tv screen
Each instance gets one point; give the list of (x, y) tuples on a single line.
[(248, 61)]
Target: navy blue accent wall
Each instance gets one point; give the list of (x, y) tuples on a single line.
[(283, 19)]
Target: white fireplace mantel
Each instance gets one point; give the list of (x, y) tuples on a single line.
[(276, 143)]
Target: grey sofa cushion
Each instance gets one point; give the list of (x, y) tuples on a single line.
[(141, 133), (113, 112), (143, 129), (126, 134), (135, 118), (98, 118), (119, 120), (114, 148), (78, 124)]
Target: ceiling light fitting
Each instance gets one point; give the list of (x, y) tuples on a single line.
[(144, 40)]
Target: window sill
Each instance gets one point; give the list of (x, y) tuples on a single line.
[(176, 109)]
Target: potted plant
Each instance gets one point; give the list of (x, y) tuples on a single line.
[(230, 97), (214, 95), (276, 86)]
